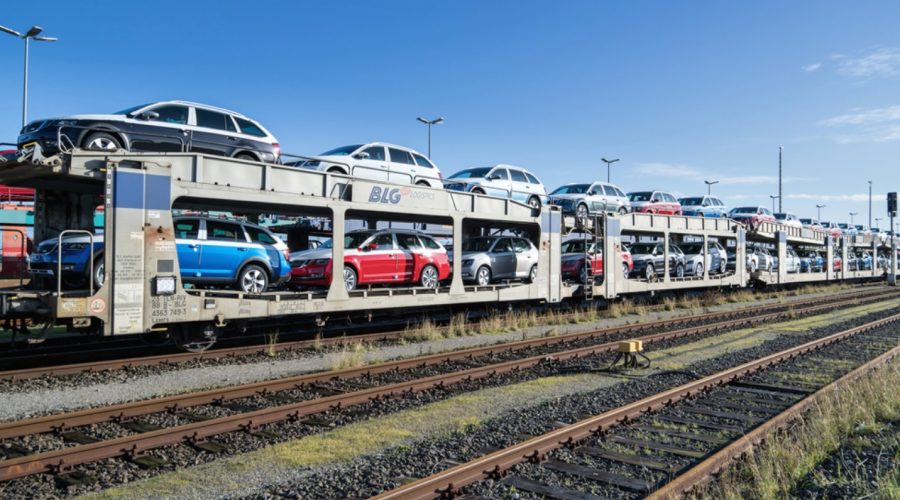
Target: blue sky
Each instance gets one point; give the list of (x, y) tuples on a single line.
[(680, 91)]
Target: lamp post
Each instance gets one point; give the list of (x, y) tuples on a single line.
[(780, 149), (709, 186), (436, 121), (870, 204), (819, 212), (878, 222), (774, 197), (851, 217), (31, 34), (608, 163)]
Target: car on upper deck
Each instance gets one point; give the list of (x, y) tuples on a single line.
[(831, 228), (582, 200), (654, 202), (810, 223), (164, 126), (502, 181), (788, 219), (751, 216), (703, 206), (376, 161)]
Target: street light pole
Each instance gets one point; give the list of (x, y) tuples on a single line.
[(851, 217), (429, 123), (709, 186), (819, 212), (29, 35), (774, 197), (608, 163), (870, 204), (779, 179)]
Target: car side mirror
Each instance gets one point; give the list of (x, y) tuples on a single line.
[(654, 200), (362, 156), (149, 115)]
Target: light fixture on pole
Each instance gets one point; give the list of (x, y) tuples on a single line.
[(31, 34), (819, 212), (436, 121), (774, 197), (878, 221), (608, 163), (709, 186), (851, 217)]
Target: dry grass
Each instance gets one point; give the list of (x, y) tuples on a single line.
[(351, 356), (271, 342), (775, 469)]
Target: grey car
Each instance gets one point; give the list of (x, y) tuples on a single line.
[(502, 181), (585, 199), (490, 258)]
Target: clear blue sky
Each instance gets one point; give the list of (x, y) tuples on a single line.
[(680, 91)]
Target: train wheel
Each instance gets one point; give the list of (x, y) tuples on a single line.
[(196, 338)]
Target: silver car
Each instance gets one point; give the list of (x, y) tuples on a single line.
[(502, 181), (490, 258), (585, 199)]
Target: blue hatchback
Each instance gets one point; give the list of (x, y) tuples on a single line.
[(210, 252)]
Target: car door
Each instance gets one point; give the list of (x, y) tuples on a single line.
[(497, 183), (521, 189), (408, 248), (426, 171), (378, 260), (594, 198), (402, 167), (370, 163), (188, 247), (224, 249), (166, 131), (213, 133), (659, 260), (525, 258), (503, 259), (610, 201)]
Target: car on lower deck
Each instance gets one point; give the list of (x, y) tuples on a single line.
[(486, 259), (703, 206), (376, 161), (654, 202), (649, 260), (811, 261), (375, 257), (502, 181), (165, 126), (582, 200), (582, 257), (762, 258), (211, 252), (716, 261)]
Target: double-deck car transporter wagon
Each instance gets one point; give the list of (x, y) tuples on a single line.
[(143, 292)]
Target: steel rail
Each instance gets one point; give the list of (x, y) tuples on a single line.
[(705, 470), (125, 411), (114, 364), (450, 481)]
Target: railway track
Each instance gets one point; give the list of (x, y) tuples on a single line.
[(304, 397), (44, 369), (665, 444)]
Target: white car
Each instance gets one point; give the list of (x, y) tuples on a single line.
[(788, 219), (377, 161), (791, 261), (763, 260), (502, 181)]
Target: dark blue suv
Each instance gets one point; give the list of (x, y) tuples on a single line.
[(211, 251)]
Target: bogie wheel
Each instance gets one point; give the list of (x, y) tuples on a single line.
[(253, 279), (350, 278), (483, 276), (195, 337), (101, 141), (428, 278), (532, 274)]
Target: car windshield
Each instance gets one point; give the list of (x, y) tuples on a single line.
[(692, 248), (640, 196), (573, 246), (744, 210), (843, 225), (471, 173), (691, 201), (478, 244), (342, 151), (128, 111), (781, 216), (326, 244), (354, 240), (642, 248), (572, 189)]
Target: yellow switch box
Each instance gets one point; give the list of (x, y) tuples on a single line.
[(631, 346)]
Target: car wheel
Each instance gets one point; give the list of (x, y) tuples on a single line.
[(649, 272), (535, 203), (584, 273), (679, 271), (699, 270), (723, 267), (253, 279), (349, 278), (423, 184), (246, 156), (101, 141), (701, 214), (623, 210), (483, 276), (581, 211), (428, 278), (98, 274), (478, 191), (771, 267), (625, 270), (532, 275), (335, 170)]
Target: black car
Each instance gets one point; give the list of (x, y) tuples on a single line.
[(168, 126)]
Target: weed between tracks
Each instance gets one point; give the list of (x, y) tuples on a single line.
[(847, 417)]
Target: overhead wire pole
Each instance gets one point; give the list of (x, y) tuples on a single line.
[(429, 123), (608, 163), (31, 34)]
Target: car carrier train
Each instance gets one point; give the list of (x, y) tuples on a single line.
[(150, 286)]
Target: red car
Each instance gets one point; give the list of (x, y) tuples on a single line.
[(654, 202), (751, 216), (837, 263), (573, 261), (376, 257)]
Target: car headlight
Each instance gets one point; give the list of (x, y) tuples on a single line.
[(467, 262), (164, 285), (318, 262), (75, 246), (298, 263)]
